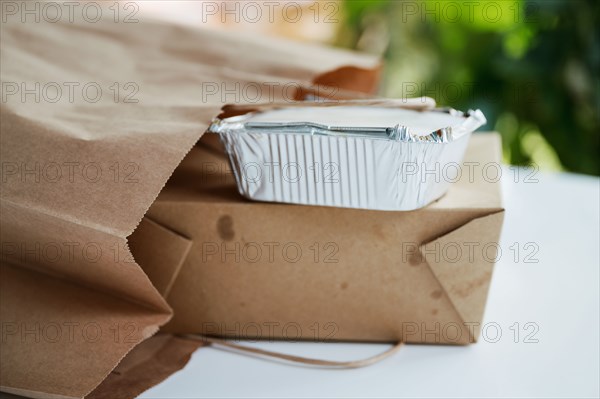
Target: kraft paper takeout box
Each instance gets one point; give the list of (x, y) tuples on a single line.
[(73, 301), (361, 275)]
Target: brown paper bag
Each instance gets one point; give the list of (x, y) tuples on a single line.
[(95, 118)]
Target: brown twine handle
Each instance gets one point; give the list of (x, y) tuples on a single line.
[(299, 359)]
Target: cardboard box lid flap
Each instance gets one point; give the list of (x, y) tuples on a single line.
[(464, 267), (160, 251), (479, 183)]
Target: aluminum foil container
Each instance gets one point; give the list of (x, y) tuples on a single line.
[(381, 156)]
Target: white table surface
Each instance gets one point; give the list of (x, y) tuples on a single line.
[(560, 294)]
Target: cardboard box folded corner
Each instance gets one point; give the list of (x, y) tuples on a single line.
[(235, 268)]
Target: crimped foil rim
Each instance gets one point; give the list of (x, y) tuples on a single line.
[(399, 133)]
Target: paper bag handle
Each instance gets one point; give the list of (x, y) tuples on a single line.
[(298, 359)]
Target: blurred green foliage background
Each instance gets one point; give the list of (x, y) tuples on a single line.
[(532, 67)]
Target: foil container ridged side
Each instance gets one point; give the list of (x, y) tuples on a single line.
[(340, 171)]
